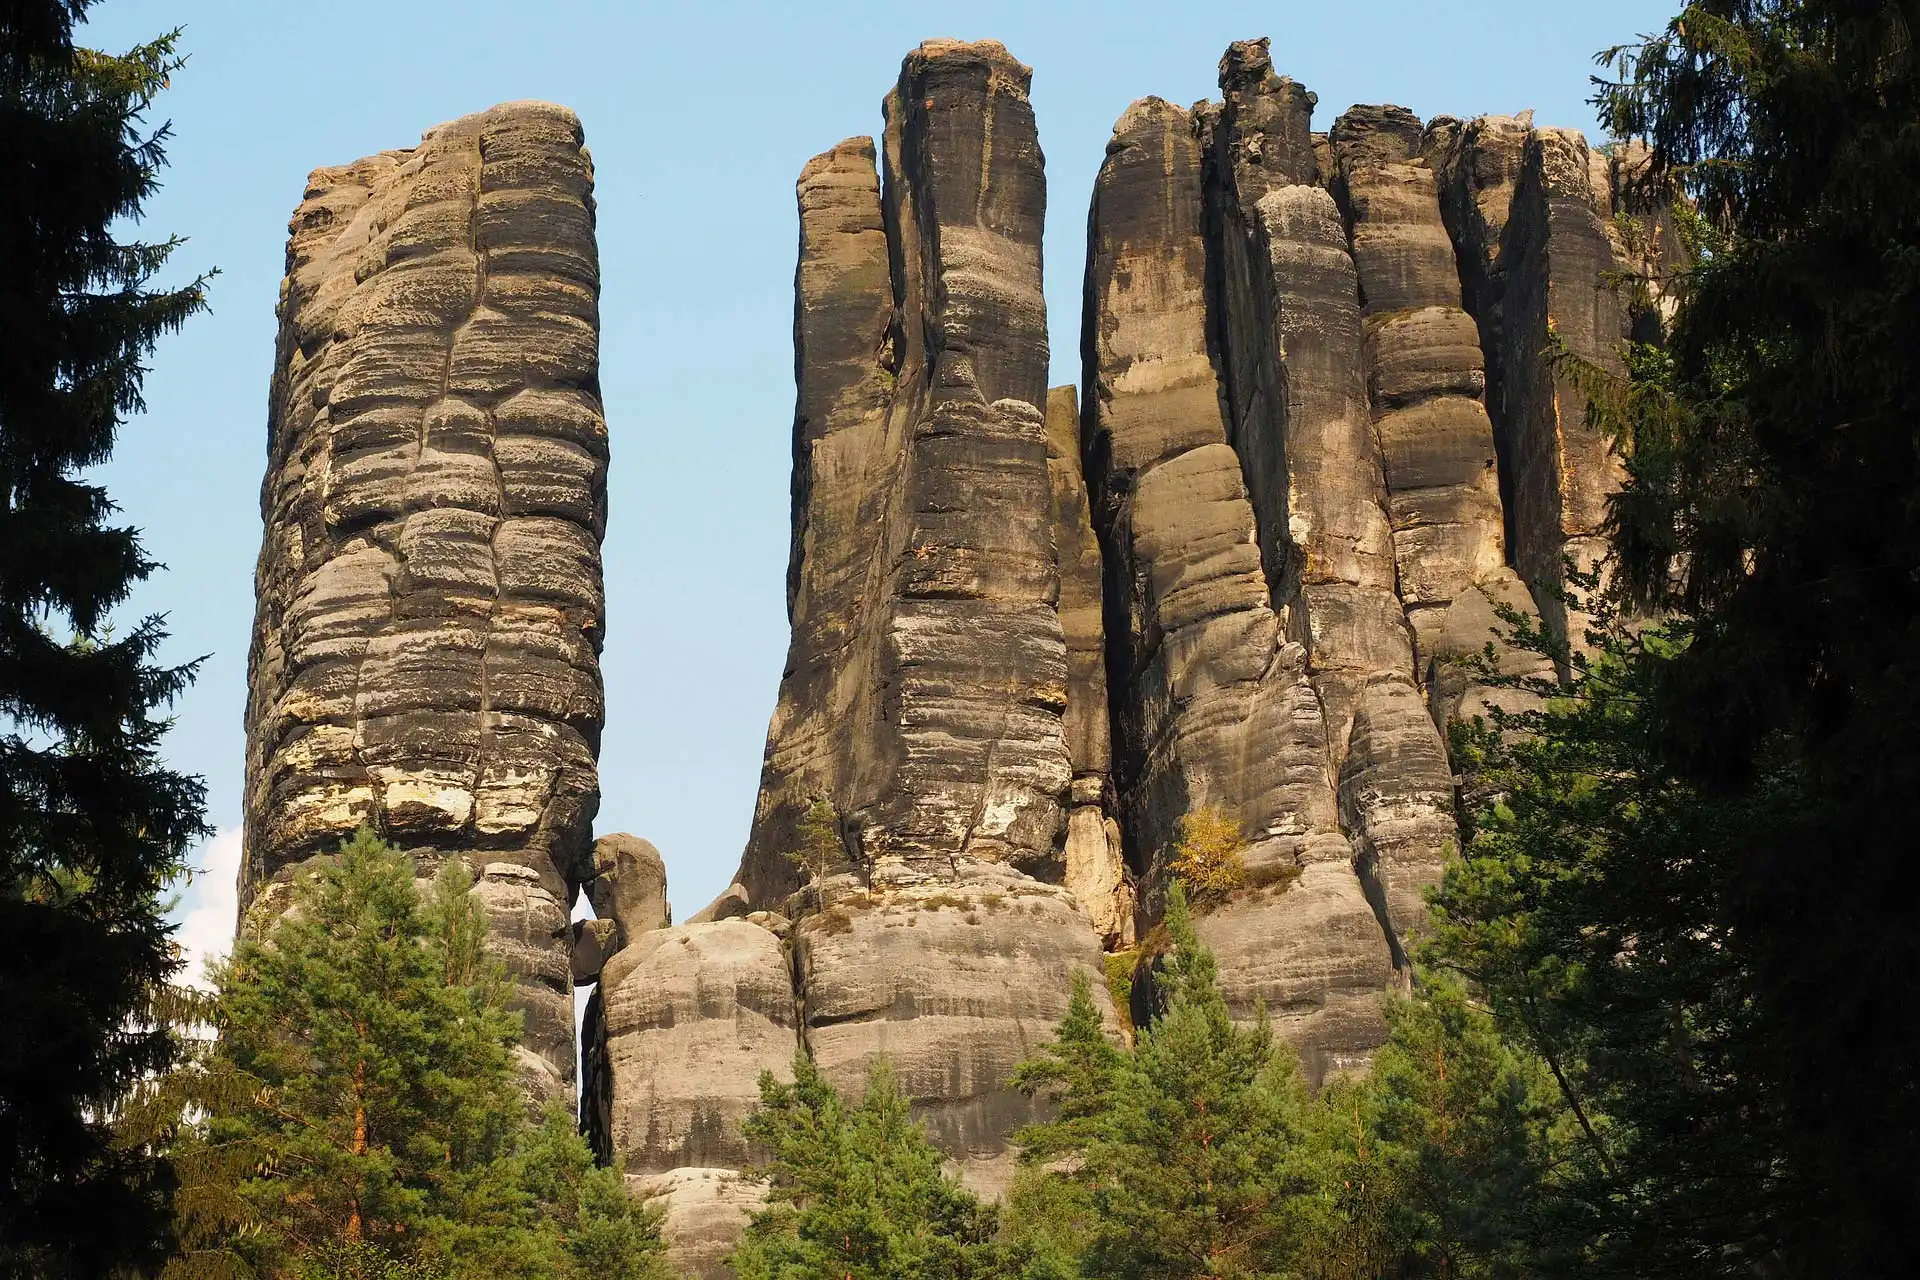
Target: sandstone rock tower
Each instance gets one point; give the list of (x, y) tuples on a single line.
[(1318, 442), (425, 647), (941, 723)]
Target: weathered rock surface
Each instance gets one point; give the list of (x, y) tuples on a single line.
[(953, 980), (944, 694), (1293, 344), (707, 1211), (1320, 442), (693, 1015), (1094, 861), (425, 647), (1426, 379), (927, 674), (1213, 707), (1528, 210), (629, 887)]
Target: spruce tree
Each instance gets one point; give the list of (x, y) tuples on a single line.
[(1589, 909), (857, 1192), (362, 1111), (1193, 1152), (93, 826), (1773, 502)]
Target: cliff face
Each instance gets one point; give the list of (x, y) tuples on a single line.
[(425, 649), (941, 724), (1318, 442), (1214, 707)]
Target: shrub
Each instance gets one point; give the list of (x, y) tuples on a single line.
[(1208, 856)]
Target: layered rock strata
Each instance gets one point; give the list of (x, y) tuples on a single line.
[(936, 767), (1213, 707), (1093, 857), (1426, 381), (1290, 337), (425, 645), (1530, 213)]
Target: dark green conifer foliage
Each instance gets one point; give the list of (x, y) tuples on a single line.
[(1774, 498), (362, 1108), (1464, 1133), (1590, 909), (92, 824), (857, 1192), (1191, 1151)]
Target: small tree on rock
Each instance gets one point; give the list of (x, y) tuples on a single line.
[(1209, 856)]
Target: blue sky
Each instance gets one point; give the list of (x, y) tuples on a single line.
[(699, 118)]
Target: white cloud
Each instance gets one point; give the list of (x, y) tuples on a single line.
[(209, 903)]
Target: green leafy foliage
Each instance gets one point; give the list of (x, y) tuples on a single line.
[(359, 1111), (1208, 856), (856, 1192), (818, 847), (93, 825)]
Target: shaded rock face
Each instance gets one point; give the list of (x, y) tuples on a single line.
[(1292, 343), (1426, 381), (1094, 861), (425, 647), (1213, 707), (926, 679), (1530, 214)]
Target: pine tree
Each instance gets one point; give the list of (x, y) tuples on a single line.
[(1191, 1154), (857, 1192), (93, 826), (1463, 1132), (362, 1111), (1077, 1071)]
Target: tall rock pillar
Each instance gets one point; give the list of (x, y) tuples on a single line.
[(1529, 211), (1291, 341), (430, 607), (908, 889), (1213, 705), (1426, 380)]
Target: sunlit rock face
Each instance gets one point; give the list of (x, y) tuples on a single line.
[(1318, 444), (425, 648), (941, 724)]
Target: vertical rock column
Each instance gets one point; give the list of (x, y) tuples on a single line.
[(950, 944), (1426, 380), (901, 892), (1213, 706), (1304, 431), (1528, 211), (424, 656), (1094, 861)]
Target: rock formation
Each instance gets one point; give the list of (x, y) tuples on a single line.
[(1530, 215), (425, 649), (1212, 704), (1032, 635), (941, 723), (1319, 442), (1426, 380)]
